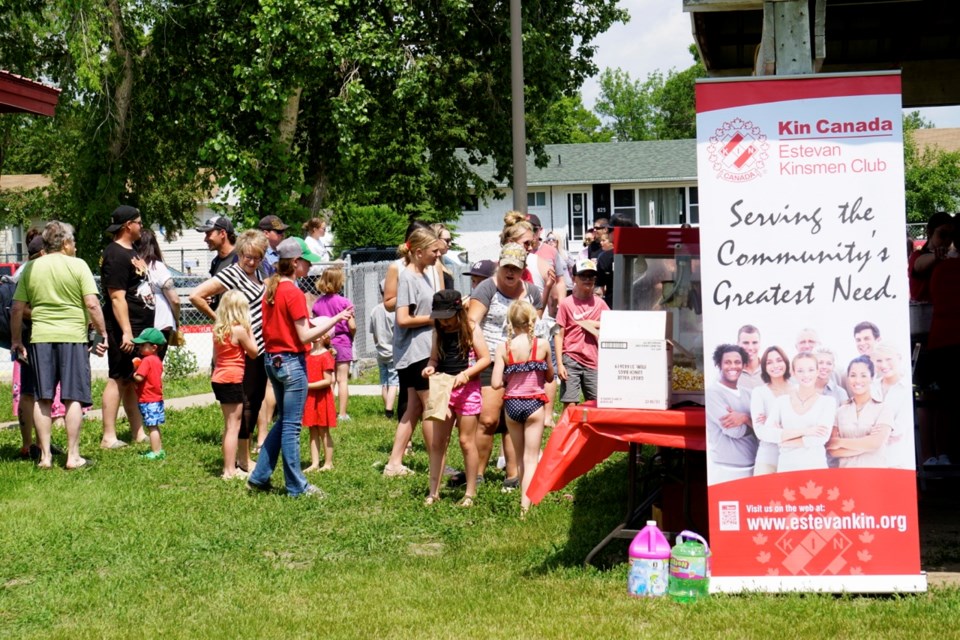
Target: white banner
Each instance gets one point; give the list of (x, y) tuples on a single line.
[(804, 271)]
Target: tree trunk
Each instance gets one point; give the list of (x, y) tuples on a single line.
[(288, 122), (123, 94), (318, 195)]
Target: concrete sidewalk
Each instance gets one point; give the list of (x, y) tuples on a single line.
[(203, 400)]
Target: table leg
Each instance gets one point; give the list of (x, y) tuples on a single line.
[(634, 510)]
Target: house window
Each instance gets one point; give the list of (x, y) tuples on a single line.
[(577, 214), (625, 203), (693, 206), (470, 204), (536, 199)]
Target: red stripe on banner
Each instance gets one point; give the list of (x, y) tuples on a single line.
[(712, 96), (745, 157), (828, 522), (734, 141)]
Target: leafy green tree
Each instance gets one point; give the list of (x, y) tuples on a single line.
[(298, 104), (932, 175), (662, 107), (569, 122)]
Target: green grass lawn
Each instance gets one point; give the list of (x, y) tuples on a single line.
[(132, 548)]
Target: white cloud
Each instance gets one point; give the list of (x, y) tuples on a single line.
[(658, 36)]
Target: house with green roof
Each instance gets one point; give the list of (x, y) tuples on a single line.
[(652, 182)]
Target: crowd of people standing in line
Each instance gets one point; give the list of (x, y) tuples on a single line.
[(484, 363)]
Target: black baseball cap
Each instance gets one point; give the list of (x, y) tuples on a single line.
[(446, 304), (121, 216), (216, 222), (271, 223)]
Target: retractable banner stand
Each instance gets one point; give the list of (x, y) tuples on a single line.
[(811, 468)]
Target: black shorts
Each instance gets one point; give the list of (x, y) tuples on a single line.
[(67, 363), (228, 392), (412, 377), (120, 364)]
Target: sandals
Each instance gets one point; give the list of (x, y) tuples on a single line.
[(431, 500), (467, 502), (397, 472)]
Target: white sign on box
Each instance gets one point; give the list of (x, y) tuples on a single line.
[(634, 360)]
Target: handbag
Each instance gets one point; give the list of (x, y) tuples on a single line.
[(177, 339)]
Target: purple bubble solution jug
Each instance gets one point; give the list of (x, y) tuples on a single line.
[(649, 562)]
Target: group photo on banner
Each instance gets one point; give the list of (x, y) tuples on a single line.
[(807, 372)]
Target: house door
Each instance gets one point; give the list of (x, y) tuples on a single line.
[(577, 214)]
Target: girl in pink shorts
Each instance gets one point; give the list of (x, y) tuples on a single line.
[(458, 356)]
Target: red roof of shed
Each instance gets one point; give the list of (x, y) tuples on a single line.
[(20, 95)]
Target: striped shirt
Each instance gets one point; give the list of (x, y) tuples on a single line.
[(234, 278)]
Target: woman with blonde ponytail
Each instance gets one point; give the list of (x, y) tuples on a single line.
[(412, 339)]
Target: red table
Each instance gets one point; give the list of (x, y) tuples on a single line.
[(585, 436)]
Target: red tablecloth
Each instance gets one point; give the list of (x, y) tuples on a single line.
[(585, 436)]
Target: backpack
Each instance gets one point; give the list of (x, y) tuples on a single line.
[(7, 288)]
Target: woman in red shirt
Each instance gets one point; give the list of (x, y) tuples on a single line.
[(286, 333)]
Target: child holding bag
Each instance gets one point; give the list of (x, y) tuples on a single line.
[(458, 355)]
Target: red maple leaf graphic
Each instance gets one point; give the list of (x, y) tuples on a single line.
[(789, 495), (833, 494), (760, 539), (866, 537), (848, 505), (864, 556), (773, 572), (855, 571), (763, 557)]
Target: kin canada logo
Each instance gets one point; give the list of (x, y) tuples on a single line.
[(738, 151)]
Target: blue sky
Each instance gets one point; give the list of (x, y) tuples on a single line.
[(658, 36)]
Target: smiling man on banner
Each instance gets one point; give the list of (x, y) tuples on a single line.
[(730, 438)]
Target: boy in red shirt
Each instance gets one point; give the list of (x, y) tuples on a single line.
[(148, 374), (575, 336)]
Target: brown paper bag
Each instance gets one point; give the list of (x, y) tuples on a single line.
[(438, 402)]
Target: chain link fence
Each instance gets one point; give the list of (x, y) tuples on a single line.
[(362, 287)]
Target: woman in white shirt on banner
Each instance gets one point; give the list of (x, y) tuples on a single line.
[(891, 388), (775, 373), (805, 417)]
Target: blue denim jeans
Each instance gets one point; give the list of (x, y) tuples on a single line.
[(290, 388)]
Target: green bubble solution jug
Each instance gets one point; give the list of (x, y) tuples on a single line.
[(649, 562), (689, 568)]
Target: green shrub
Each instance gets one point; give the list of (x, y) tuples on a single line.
[(179, 363), (357, 226)]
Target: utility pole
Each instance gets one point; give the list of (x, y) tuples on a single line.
[(519, 128)]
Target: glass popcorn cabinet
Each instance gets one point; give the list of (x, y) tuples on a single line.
[(658, 269)]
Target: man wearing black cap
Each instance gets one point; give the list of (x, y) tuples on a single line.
[(273, 228), (128, 310), (221, 238)]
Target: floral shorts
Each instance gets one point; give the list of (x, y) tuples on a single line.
[(153, 414)]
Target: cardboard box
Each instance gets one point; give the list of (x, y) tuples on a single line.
[(635, 360)]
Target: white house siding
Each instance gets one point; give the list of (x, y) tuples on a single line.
[(478, 232)]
